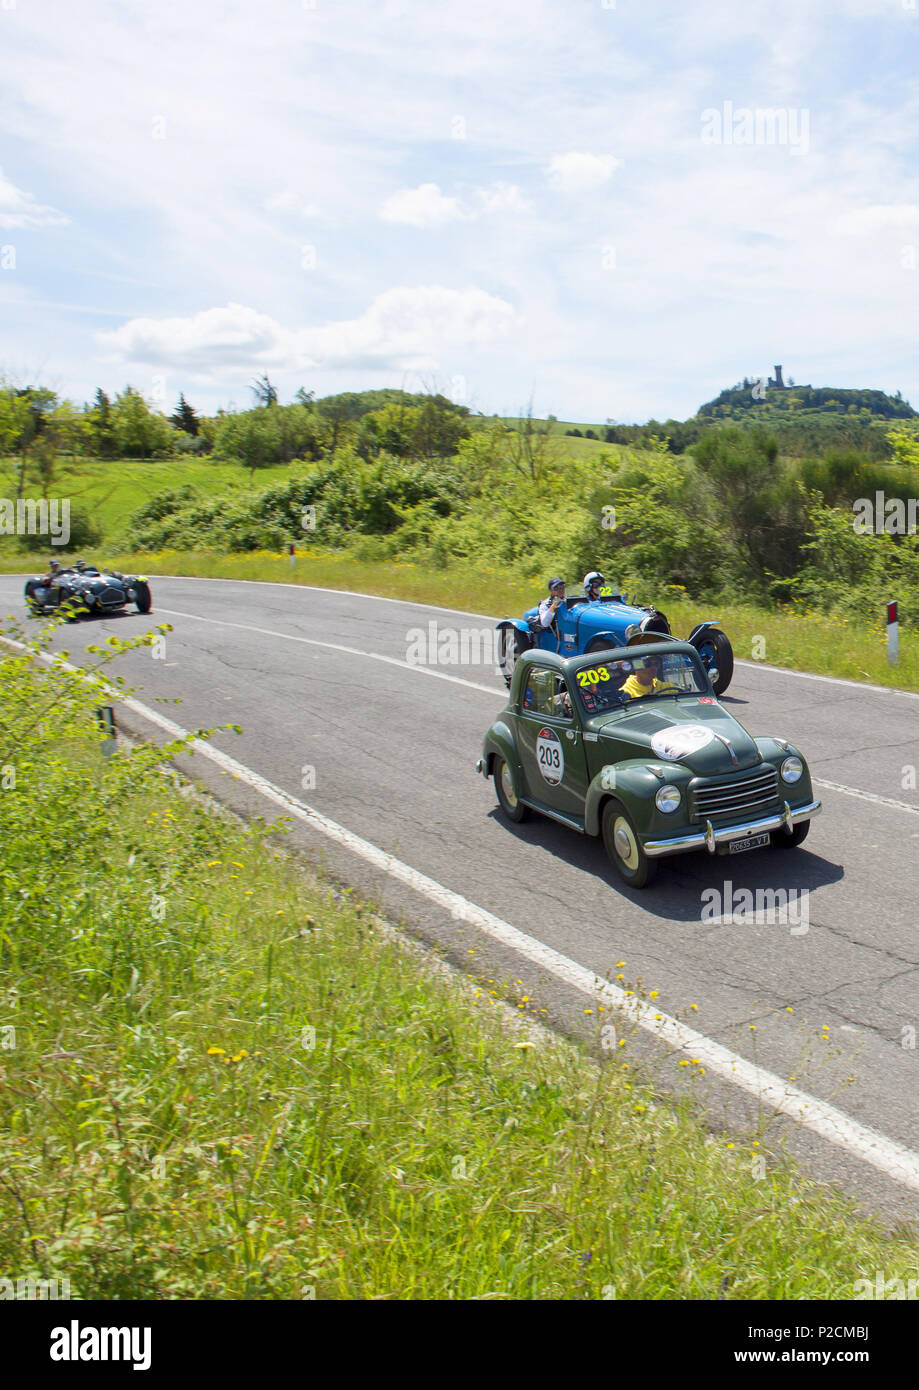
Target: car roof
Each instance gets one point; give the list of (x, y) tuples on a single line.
[(538, 656), (566, 666)]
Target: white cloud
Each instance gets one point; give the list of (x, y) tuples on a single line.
[(580, 173), (424, 206), (19, 209), (877, 218), (501, 197), (405, 327)]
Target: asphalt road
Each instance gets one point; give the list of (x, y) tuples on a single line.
[(388, 752)]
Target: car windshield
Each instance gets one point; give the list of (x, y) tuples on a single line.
[(612, 684)]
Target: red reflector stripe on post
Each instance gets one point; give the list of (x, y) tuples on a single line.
[(892, 612)]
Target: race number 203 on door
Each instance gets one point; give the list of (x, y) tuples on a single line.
[(550, 757)]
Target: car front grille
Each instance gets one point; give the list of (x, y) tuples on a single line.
[(736, 796), (111, 596)]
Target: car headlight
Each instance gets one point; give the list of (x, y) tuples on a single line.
[(668, 798), (792, 770)]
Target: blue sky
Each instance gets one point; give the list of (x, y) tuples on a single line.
[(507, 200)]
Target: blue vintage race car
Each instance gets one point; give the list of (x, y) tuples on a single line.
[(583, 625)]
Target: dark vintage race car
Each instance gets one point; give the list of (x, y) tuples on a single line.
[(81, 590), (584, 626), (632, 745)]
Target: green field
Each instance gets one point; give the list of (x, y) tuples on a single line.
[(112, 490)]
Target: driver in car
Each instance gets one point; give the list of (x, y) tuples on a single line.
[(646, 680), (48, 581), (593, 584)]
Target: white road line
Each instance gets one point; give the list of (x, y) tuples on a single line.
[(829, 680), (866, 796), (487, 689), (861, 1142), (336, 647)]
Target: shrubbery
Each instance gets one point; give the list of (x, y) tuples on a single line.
[(729, 516)]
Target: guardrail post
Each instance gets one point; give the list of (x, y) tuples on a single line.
[(106, 717), (893, 632)]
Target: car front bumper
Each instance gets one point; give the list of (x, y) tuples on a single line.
[(713, 836)]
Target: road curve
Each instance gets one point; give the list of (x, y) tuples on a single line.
[(334, 715)]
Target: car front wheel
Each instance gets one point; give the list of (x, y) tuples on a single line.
[(143, 598), (782, 840), (717, 655), (512, 644), (623, 846), (508, 799)]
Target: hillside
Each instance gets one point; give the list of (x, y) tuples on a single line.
[(765, 399), (804, 419)]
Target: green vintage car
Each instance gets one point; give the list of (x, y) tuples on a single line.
[(632, 744)]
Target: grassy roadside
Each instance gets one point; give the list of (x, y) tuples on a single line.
[(222, 1081), (816, 642)]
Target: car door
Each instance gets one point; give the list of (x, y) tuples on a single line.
[(550, 743), (567, 620)]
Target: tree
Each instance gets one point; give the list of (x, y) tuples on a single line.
[(185, 418), (36, 405), (139, 431), (528, 447), (264, 392), (300, 433), (44, 462), (338, 412), (102, 426), (253, 437), (14, 414)]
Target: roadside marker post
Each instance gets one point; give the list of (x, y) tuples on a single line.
[(106, 717), (293, 555), (893, 634)]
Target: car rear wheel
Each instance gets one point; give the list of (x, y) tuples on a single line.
[(782, 840), (143, 597), (623, 846), (508, 799)]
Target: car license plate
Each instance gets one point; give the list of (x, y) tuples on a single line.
[(748, 842)]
